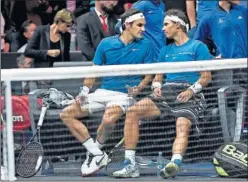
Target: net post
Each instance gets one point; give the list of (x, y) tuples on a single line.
[(240, 114), (9, 129), (4, 168)]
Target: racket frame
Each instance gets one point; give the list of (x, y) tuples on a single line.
[(37, 132)]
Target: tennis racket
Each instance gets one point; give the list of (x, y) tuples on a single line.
[(31, 156), (116, 158)]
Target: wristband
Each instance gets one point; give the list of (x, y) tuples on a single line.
[(84, 90), (156, 85), (196, 87)]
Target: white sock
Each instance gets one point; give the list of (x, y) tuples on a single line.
[(92, 147), (100, 145), (130, 154)]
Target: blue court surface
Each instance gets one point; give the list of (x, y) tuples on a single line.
[(189, 172)]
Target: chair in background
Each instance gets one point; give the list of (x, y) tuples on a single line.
[(231, 104), (76, 56)]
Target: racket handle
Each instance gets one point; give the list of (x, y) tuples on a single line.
[(120, 142), (42, 115)]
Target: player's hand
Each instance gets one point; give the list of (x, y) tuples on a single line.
[(157, 92), (53, 52), (132, 91), (185, 96), (82, 96), (80, 99)]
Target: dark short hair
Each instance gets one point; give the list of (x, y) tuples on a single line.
[(128, 13), (180, 14), (20, 60), (24, 26)]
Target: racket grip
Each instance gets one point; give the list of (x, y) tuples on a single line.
[(120, 142), (42, 115)]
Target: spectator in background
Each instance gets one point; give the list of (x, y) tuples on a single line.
[(227, 26), (27, 86), (42, 12), (122, 6), (28, 29), (36, 10), (78, 7), (178, 4), (128, 4), (154, 11), (113, 97), (53, 6), (2, 33), (95, 25), (196, 9), (15, 40), (51, 43), (9, 24), (16, 12)]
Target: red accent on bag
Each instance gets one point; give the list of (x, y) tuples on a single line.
[(20, 108)]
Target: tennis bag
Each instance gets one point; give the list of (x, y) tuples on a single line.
[(20, 108), (230, 160), (54, 98)]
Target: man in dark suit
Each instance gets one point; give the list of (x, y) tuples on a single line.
[(93, 26), (17, 40)]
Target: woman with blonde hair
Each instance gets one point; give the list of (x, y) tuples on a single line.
[(51, 43)]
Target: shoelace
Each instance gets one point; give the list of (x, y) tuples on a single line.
[(90, 159)]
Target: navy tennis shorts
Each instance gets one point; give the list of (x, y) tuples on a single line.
[(169, 106)]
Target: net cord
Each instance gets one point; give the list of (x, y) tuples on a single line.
[(119, 70)]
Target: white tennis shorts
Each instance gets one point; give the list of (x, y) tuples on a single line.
[(102, 98)]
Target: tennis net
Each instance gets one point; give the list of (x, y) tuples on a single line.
[(224, 119)]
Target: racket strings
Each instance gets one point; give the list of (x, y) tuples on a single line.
[(117, 155), (28, 159), (115, 160)]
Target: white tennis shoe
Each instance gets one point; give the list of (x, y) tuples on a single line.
[(93, 163), (129, 171)]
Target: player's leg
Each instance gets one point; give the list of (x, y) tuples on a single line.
[(117, 104), (180, 144), (110, 117), (145, 108), (115, 108), (97, 161), (70, 116)]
